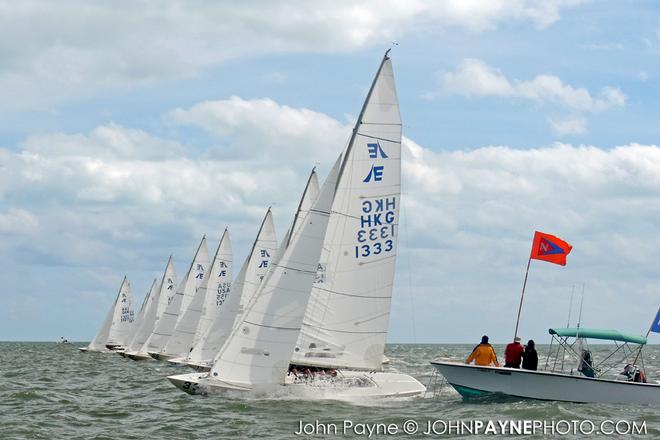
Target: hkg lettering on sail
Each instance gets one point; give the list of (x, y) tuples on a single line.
[(377, 222)]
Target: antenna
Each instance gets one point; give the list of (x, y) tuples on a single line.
[(570, 307), (580, 315)]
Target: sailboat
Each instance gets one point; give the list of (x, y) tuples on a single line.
[(205, 305), (325, 304), (118, 323), (138, 319), (250, 277), (177, 304), (154, 308)]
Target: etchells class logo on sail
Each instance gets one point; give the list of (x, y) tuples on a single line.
[(224, 287), (200, 271), (376, 233), (127, 313), (376, 171)]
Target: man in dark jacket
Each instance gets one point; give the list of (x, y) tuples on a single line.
[(530, 358)]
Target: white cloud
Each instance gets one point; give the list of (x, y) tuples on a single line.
[(476, 78), (268, 131), (467, 220), (571, 125), (51, 52), (17, 221), (111, 140), (469, 217)]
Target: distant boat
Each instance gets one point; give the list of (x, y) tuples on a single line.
[(583, 381), (317, 324), (63, 340), (118, 324)]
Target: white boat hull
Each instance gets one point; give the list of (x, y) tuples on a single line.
[(135, 355), (474, 381), (349, 385), (160, 356)]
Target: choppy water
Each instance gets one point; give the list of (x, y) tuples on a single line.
[(51, 391)]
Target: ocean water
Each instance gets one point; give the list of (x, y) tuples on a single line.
[(51, 391)]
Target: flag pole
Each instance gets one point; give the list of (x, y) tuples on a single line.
[(647, 335), (522, 296)]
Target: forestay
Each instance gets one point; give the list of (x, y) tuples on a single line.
[(167, 321), (348, 314), (259, 348), (249, 278)]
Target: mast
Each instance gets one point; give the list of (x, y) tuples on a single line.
[(296, 218), (359, 120)]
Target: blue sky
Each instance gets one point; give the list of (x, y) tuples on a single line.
[(127, 133)]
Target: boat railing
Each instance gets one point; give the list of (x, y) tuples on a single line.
[(574, 349)]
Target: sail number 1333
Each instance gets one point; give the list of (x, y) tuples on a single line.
[(374, 241)]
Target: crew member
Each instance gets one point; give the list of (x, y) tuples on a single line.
[(483, 354), (513, 353), (530, 357)]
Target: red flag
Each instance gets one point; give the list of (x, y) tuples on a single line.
[(549, 248)]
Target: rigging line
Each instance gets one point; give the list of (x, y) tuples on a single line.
[(410, 289)]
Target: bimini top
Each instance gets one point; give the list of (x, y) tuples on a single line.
[(591, 333)]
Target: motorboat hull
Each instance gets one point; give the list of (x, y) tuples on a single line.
[(348, 385), (474, 381)]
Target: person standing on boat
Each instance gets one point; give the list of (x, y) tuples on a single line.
[(530, 359), (483, 354), (513, 353)]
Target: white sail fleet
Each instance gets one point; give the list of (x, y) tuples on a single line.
[(310, 314)]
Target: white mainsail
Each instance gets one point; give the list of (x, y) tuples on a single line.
[(123, 317), (148, 303), (346, 321), (259, 348), (218, 286), (310, 194), (140, 315), (101, 339), (165, 289), (206, 303), (165, 324), (249, 278)]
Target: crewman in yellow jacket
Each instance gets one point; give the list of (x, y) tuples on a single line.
[(483, 354)]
